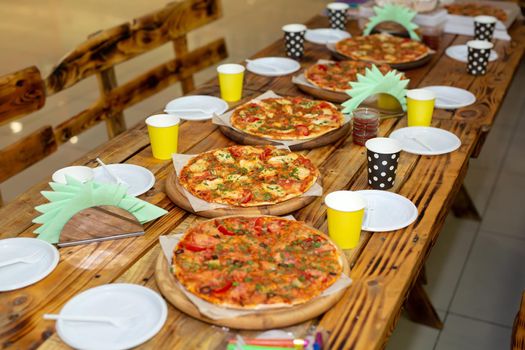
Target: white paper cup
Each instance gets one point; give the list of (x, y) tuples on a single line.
[(78, 172), (294, 28), (485, 19)]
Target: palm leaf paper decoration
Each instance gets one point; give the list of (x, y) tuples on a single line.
[(66, 200), (374, 82), (393, 13)]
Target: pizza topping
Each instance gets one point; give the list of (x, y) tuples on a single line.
[(382, 48), (336, 76), (274, 261), (475, 9), (285, 118), (250, 176)]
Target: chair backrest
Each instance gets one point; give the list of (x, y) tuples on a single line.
[(25, 91)]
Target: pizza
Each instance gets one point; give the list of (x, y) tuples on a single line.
[(336, 76), (255, 262), (248, 176), (287, 118), (382, 48), (473, 9)]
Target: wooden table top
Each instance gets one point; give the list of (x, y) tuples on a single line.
[(384, 265)]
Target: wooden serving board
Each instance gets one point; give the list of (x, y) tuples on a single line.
[(332, 96), (175, 192), (264, 319), (323, 140)]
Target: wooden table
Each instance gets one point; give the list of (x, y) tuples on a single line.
[(385, 266)]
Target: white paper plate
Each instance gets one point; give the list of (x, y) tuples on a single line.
[(325, 36), (273, 66), (438, 140), (196, 107), (141, 311), (139, 179), (449, 97), (460, 52), (387, 211), (24, 274)]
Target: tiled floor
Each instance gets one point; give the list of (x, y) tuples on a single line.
[(475, 271)]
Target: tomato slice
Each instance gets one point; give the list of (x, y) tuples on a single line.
[(225, 231), (224, 288), (258, 225), (322, 67), (302, 129), (194, 247), (246, 197), (235, 151), (252, 119), (324, 105), (266, 154)]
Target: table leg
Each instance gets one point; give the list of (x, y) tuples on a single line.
[(463, 206), (419, 307)]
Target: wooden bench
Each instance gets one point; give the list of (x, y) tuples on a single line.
[(25, 91)]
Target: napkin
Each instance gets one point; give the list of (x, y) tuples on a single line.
[(374, 82), (393, 13), (68, 199)]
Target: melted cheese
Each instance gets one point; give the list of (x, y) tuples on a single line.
[(268, 172), (249, 164), (283, 159), (276, 190), (302, 173), (208, 185), (224, 156), (199, 166)]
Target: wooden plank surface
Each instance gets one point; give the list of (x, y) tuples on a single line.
[(384, 265)]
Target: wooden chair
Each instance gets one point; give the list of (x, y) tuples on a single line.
[(25, 91)]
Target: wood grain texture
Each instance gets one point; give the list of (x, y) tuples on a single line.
[(21, 93), (385, 265), (107, 81), (174, 191), (27, 151), (109, 47), (323, 140), (143, 86), (267, 319)]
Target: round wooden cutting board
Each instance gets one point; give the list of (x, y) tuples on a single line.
[(174, 191), (264, 319), (323, 140), (332, 96)]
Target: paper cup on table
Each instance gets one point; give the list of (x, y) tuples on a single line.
[(383, 156), (478, 56), (294, 40), (345, 210), (484, 27), (420, 107), (163, 130), (337, 14), (231, 77)]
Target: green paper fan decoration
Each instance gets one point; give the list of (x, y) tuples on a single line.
[(66, 200), (374, 82), (394, 13)]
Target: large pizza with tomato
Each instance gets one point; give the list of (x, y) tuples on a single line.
[(248, 176), (382, 48), (473, 9), (287, 118), (337, 76), (255, 262)]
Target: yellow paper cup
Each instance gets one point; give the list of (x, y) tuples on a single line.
[(231, 77), (345, 216), (163, 132), (420, 107)]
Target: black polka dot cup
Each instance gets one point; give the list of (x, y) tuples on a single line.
[(484, 27), (294, 40), (383, 155), (478, 56), (337, 14)]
